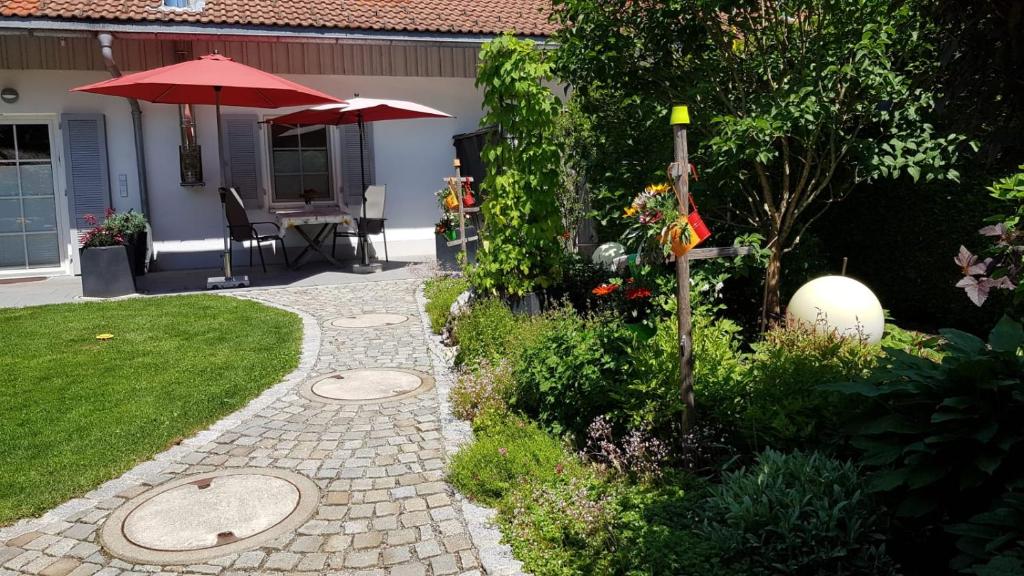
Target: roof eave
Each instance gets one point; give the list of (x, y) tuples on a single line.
[(225, 32)]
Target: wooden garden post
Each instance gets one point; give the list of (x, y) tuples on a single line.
[(681, 184)]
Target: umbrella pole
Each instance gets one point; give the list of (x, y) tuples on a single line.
[(223, 181), (362, 175)]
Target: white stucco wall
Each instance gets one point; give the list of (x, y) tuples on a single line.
[(412, 156)]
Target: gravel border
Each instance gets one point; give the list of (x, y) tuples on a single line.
[(496, 557), (156, 470)]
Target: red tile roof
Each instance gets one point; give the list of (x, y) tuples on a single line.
[(528, 17)]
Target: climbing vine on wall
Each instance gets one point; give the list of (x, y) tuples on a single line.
[(520, 249)]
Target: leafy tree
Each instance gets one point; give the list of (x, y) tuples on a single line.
[(795, 102), (519, 248)]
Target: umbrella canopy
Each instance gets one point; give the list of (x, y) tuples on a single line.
[(212, 79), (355, 110), (199, 81), (360, 111)]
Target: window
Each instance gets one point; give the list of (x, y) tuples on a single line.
[(300, 164)]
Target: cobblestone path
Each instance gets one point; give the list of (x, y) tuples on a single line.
[(384, 507)]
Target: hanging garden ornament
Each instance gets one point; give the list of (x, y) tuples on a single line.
[(840, 304)]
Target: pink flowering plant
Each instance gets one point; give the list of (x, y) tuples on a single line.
[(101, 234)]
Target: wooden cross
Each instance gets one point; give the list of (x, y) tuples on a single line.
[(680, 173)]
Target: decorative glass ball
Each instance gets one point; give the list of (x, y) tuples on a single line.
[(606, 254), (838, 303)]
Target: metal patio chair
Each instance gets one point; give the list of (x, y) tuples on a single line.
[(373, 224), (242, 230)]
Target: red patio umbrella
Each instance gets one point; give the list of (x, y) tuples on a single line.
[(359, 111), (211, 79)]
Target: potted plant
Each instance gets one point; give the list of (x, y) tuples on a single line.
[(131, 226), (106, 270)]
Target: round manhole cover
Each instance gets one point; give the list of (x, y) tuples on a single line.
[(209, 515), (369, 320), (367, 385)]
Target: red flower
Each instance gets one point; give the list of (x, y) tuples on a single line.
[(605, 289), (636, 293)]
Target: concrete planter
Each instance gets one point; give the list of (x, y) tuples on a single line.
[(106, 272)]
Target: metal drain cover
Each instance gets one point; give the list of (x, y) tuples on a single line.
[(208, 515), (369, 320), (367, 385)]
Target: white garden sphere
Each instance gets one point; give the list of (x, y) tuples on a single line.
[(838, 303), (606, 254)]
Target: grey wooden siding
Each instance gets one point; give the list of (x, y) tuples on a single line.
[(82, 53)]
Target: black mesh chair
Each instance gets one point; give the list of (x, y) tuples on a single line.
[(242, 230), (374, 222)]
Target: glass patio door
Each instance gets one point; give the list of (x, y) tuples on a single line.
[(29, 236)]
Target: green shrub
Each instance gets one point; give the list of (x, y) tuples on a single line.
[(576, 370), (585, 523), (784, 406), (490, 331), (718, 369), (799, 513), (562, 528), (485, 388), (944, 439), (507, 453), (441, 293)]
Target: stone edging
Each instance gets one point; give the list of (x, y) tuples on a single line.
[(159, 468), (496, 557)]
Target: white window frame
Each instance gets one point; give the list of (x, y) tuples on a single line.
[(333, 171), (66, 246)]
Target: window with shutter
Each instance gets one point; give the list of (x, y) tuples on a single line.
[(85, 161), (300, 164), (240, 134), (351, 181)]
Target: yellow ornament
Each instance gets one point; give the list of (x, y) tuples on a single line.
[(680, 115)]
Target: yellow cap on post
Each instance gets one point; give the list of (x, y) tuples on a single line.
[(680, 115)]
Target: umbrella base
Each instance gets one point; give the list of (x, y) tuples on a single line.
[(221, 282), (367, 268)]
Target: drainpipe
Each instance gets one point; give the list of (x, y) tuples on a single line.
[(106, 41)]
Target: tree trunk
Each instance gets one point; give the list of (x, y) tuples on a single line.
[(772, 306)]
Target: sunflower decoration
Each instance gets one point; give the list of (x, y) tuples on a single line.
[(647, 214)]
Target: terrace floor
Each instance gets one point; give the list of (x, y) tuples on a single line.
[(34, 291)]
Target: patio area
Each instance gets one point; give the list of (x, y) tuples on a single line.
[(36, 291)]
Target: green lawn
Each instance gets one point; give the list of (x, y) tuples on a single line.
[(75, 411)]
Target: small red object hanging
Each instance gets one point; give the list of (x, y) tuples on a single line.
[(700, 229), (468, 200)]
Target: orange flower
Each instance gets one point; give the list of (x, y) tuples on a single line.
[(636, 293), (630, 211), (605, 289)]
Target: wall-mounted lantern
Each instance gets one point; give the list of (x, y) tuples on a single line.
[(9, 95), (190, 154)]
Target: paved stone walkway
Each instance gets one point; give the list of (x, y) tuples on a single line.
[(384, 506)]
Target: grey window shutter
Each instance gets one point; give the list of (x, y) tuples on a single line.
[(241, 133), (85, 162), (351, 181)]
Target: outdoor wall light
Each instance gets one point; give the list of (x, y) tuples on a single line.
[(9, 95)]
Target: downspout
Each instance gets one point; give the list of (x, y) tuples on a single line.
[(106, 41)]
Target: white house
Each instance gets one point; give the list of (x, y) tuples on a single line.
[(63, 155)]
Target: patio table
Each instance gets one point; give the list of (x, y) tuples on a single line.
[(327, 217)]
